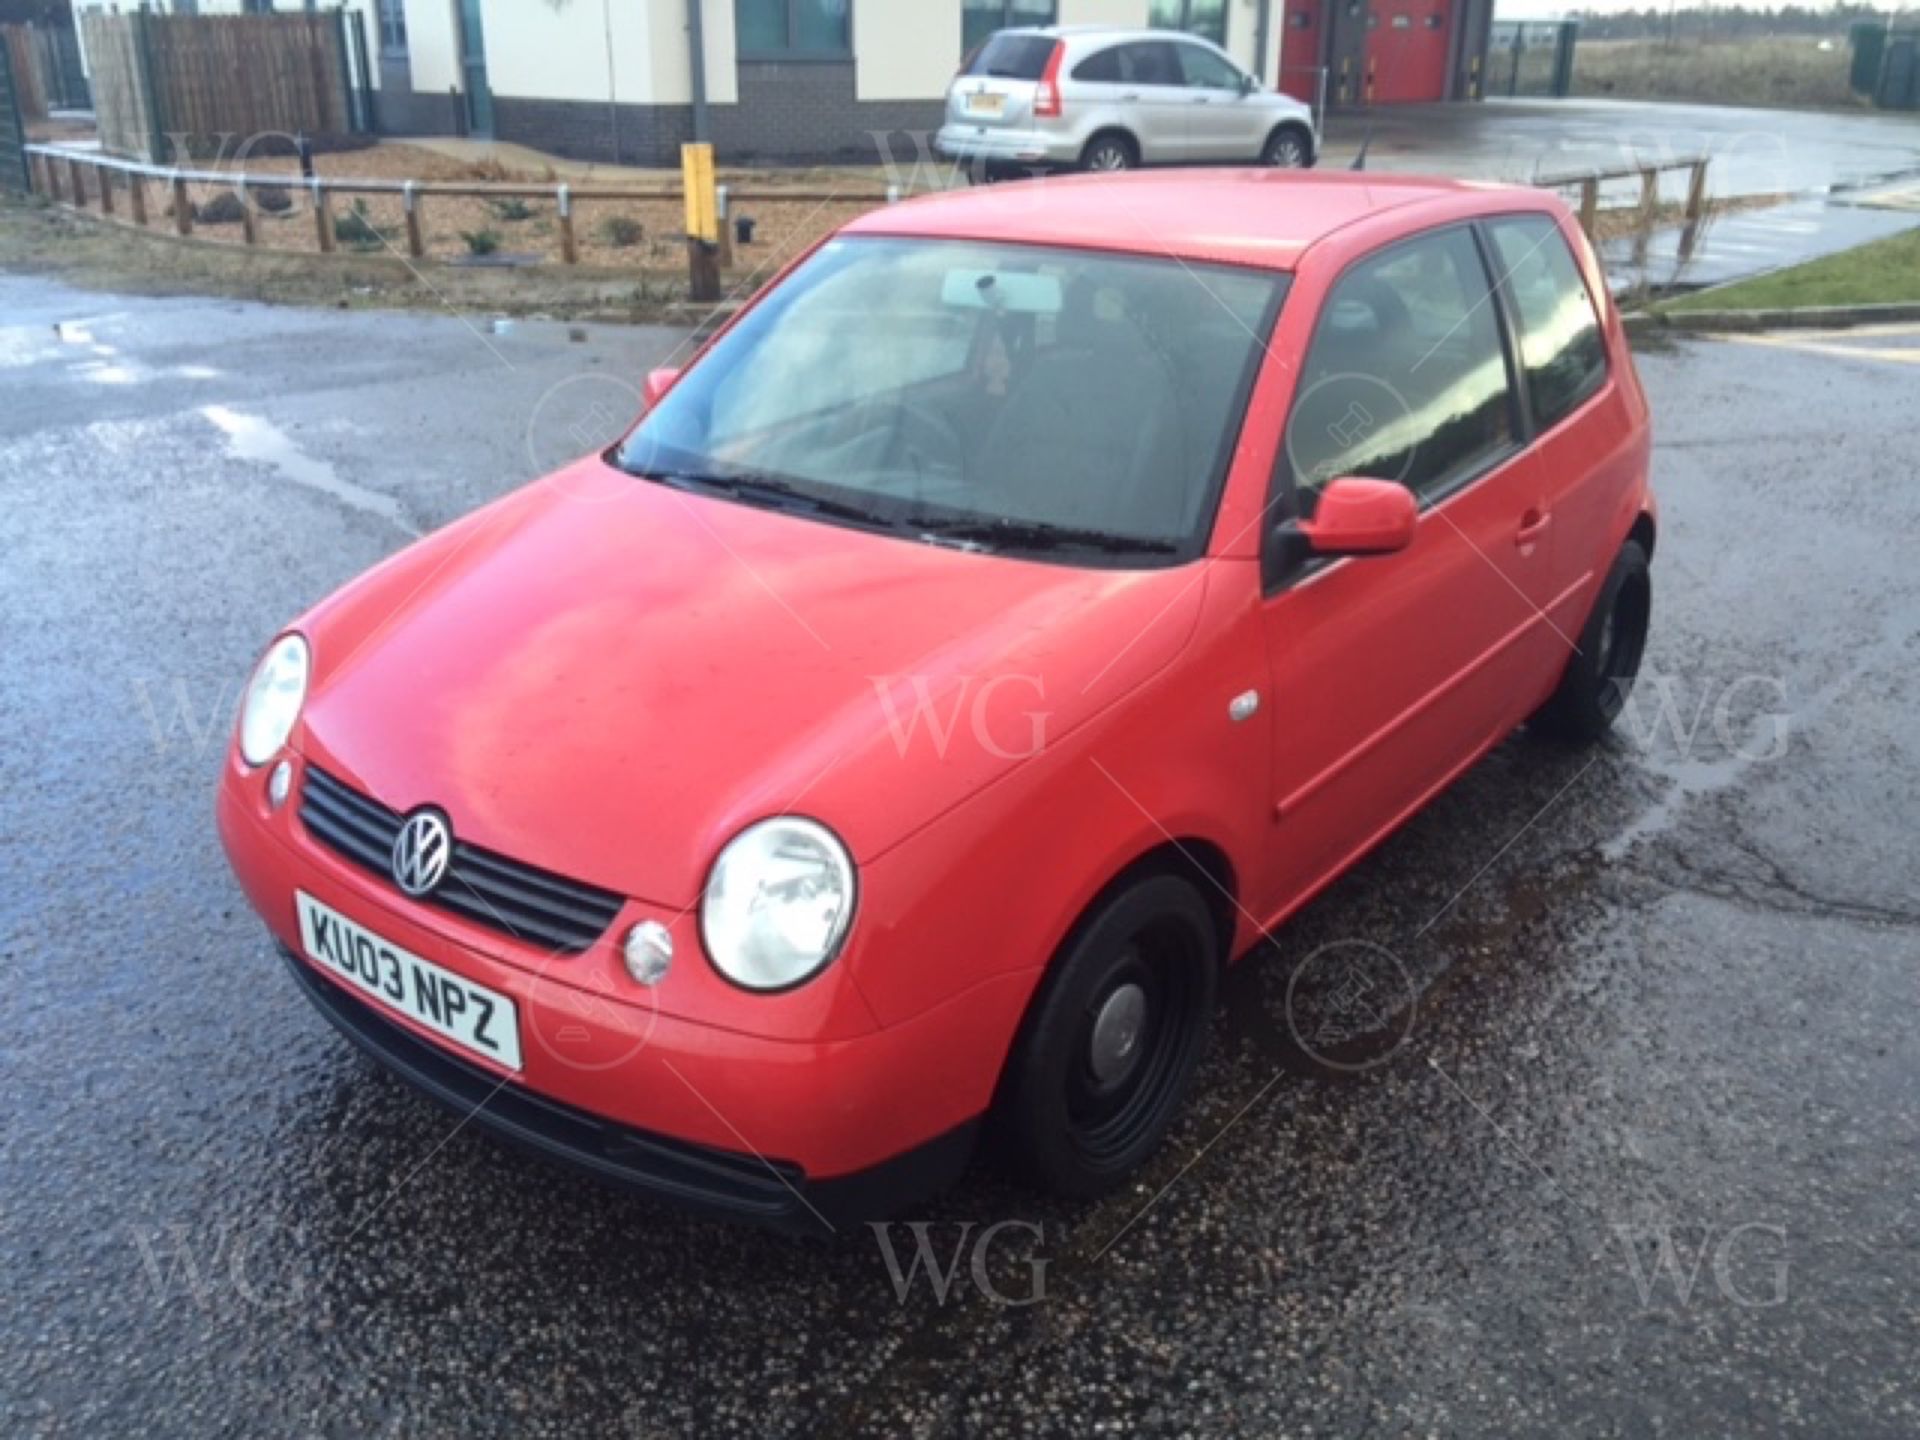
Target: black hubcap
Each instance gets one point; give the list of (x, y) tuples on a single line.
[(1133, 1042)]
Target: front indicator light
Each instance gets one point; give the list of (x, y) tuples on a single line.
[(648, 952)]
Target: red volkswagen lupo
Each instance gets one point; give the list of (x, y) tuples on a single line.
[(1035, 595)]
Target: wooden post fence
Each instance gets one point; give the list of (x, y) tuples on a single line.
[(323, 232)]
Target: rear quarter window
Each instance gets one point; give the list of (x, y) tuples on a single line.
[(1104, 66), (1561, 348), (1013, 57)]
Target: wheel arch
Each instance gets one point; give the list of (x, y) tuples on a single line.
[(1293, 122), (1114, 131), (1643, 530), (1202, 862)]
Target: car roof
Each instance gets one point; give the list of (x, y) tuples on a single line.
[(1259, 217), (1100, 32)]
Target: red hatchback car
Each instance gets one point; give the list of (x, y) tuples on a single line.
[(1033, 597)]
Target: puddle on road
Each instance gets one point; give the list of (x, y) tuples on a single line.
[(249, 437)]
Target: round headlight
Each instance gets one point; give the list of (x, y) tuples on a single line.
[(778, 903), (273, 699)]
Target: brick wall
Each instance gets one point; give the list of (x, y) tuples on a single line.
[(800, 111), (788, 113), (399, 109)]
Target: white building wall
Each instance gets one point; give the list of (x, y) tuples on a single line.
[(905, 49), (433, 45), (1129, 13), (670, 77), (540, 50)]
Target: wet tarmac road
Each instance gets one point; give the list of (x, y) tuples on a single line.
[(1644, 1160)]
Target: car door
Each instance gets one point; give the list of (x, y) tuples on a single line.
[(1584, 435), (1391, 673), (1220, 121), (1153, 98)]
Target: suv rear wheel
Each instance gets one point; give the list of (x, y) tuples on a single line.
[(1111, 151)]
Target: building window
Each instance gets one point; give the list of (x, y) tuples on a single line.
[(980, 18), (775, 29), (393, 27), (1205, 18)]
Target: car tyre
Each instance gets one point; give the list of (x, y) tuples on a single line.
[(1288, 148), (1109, 152), (1109, 1047), (1594, 688)]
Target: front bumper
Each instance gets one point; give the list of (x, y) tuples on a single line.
[(784, 1130), (774, 1193), (1012, 147)]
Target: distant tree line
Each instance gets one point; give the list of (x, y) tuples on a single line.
[(1726, 22)]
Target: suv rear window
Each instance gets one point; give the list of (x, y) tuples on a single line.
[(1013, 57)]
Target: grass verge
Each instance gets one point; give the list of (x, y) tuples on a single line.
[(1881, 272)]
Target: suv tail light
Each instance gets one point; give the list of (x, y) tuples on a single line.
[(1046, 101)]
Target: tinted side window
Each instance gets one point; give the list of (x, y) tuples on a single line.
[(1151, 62), (1103, 66), (1205, 70), (1560, 342), (1406, 378)]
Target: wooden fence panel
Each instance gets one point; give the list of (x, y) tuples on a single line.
[(25, 60), (204, 85), (122, 105), (244, 75)]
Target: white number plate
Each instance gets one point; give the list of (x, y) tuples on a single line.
[(472, 1016), (986, 103)]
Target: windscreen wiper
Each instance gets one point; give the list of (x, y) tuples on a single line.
[(1022, 535), (765, 490)]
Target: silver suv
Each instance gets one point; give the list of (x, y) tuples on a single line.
[(1097, 98)]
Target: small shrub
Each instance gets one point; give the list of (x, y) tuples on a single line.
[(222, 209), (273, 199), (354, 230), (481, 242), (513, 208), (622, 231)]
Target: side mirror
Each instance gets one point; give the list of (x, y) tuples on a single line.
[(1355, 517), (658, 383), (1248, 84)]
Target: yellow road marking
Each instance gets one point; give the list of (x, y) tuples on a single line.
[(1816, 343)]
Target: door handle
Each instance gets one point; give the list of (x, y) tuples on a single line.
[(1533, 525), (1131, 95)]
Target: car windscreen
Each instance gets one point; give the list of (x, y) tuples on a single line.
[(1021, 399), (1013, 57)]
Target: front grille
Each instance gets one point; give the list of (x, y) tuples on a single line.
[(532, 905)]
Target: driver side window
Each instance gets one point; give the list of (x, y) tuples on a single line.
[(1205, 70), (1406, 378)]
